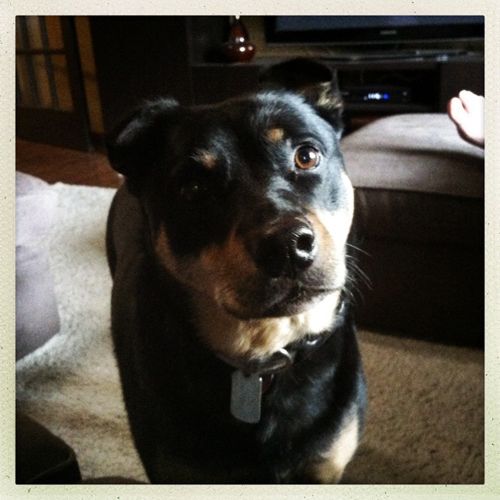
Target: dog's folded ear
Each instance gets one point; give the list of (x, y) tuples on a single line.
[(314, 80), (138, 141)]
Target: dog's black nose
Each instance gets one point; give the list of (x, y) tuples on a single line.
[(286, 249)]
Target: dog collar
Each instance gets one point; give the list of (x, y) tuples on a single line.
[(253, 378), (278, 361)]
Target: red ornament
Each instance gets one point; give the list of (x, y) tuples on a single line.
[(239, 48)]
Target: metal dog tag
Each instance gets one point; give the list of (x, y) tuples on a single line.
[(246, 396)]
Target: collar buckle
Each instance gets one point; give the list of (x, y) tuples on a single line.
[(277, 362)]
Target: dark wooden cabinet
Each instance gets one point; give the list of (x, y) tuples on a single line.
[(140, 58)]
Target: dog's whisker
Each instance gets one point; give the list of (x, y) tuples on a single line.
[(359, 249), (357, 271)]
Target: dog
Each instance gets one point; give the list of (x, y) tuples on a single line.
[(231, 323)]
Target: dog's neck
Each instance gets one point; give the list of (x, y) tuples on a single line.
[(237, 339), (259, 348)]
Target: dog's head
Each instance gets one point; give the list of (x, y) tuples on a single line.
[(248, 202)]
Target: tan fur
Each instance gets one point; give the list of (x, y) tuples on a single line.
[(332, 462), (216, 273), (275, 134), (257, 338), (338, 223), (332, 230), (207, 159), (322, 96)]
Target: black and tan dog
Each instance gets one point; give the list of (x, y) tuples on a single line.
[(227, 245)]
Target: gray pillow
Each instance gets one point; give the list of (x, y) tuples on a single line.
[(37, 317)]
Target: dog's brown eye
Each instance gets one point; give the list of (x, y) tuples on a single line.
[(192, 190), (306, 157)]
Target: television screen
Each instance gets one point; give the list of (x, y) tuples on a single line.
[(381, 29)]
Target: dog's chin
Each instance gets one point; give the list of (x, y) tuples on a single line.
[(297, 300)]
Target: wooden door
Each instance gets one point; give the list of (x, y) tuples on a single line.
[(50, 99)]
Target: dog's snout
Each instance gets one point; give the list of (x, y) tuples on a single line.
[(286, 248)]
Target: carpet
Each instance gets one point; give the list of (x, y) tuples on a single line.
[(425, 420)]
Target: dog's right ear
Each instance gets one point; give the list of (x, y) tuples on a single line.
[(138, 141), (315, 81)]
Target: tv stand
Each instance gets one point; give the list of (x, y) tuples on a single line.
[(408, 55), (416, 84)]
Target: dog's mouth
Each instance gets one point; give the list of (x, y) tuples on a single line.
[(277, 301), (297, 299)]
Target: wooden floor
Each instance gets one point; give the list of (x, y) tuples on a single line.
[(54, 164)]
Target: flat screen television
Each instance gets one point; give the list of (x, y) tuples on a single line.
[(372, 29)]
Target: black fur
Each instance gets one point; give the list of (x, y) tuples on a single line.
[(176, 389)]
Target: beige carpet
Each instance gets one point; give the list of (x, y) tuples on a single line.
[(425, 420), (426, 413)]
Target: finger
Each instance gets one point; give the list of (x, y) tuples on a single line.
[(457, 111), (471, 102)]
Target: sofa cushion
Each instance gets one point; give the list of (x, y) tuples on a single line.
[(416, 152), (419, 218)]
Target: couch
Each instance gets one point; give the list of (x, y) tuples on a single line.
[(419, 221)]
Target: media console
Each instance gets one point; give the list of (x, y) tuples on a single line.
[(371, 86)]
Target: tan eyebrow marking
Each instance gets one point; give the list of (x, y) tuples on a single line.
[(275, 134), (206, 158)]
